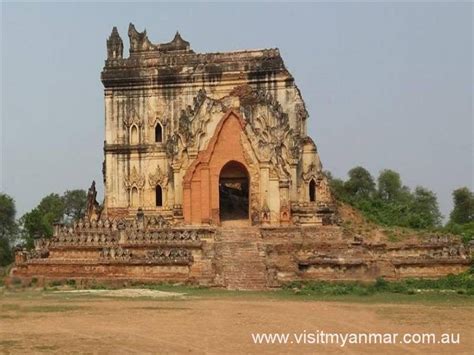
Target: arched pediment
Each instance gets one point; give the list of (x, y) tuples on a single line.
[(204, 156), (229, 143)]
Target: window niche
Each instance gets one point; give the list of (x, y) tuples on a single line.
[(158, 196), (312, 191), (134, 134), (158, 133)]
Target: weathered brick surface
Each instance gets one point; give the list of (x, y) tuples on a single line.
[(233, 257), (201, 182), (246, 108)]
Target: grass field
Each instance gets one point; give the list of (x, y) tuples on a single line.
[(181, 319)]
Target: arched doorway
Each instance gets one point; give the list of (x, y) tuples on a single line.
[(233, 192)]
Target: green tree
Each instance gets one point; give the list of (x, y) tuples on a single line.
[(389, 185), (74, 204), (39, 222), (33, 226), (424, 210), (337, 187), (463, 211), (8, 228), (392, 204), (52, 206), (361, 184)]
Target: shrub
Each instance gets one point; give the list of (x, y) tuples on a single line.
[(381, 284), (461, 283)]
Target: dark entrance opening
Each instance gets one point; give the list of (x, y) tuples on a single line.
[(158, 133), (158, 196), (233, 192), (312, 191)]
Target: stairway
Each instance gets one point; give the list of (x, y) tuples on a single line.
[(241, 258)]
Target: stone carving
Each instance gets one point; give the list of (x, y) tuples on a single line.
[(312, 172), (38, 254), (114, 45), (285, 216), (156, 222), (265, 214), (93, 209), (139, 40), (132, 118), (156, 256), (171, 256), (134, 179), (116, 253), (301, 112), (272, 144), (269, 129), (192, 124), (172, 146), (84, 239), (158, 178), (187, 117), (151, 237), (252, 163), (177, 44)]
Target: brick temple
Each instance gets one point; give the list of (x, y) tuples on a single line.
[(210, 178), (203, 138)]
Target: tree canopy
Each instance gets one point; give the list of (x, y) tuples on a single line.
[(390, 203), (360, 183), (74, 204), (8, 228), (53, 208), (461, 219), (463, 211)]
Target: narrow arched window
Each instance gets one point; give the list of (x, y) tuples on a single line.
[(159, 196), (134, 197), (158, 133), (312, 191), (134, 135)]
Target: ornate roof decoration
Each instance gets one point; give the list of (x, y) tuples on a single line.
[(311, 173), (114, 45), (134, 180), (177, 44), (158, 178), (155, 118), (269, 129), (139, 42), (132, 118)]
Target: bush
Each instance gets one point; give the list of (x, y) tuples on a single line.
[(381, 284), (461, 283), (466, 231)]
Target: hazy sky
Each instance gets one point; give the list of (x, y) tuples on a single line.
[(386, 85)]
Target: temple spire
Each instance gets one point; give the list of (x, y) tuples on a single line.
[(114, 45)]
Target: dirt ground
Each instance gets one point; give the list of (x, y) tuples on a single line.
[(35, 322)]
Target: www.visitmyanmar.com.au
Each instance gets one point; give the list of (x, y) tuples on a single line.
[(344, 339)]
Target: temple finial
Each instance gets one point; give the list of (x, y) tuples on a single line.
[(114, 45)]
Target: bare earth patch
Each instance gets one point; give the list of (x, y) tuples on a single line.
[(34, 322), (126, 292)]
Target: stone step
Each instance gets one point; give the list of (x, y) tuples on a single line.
[(242, 262)]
